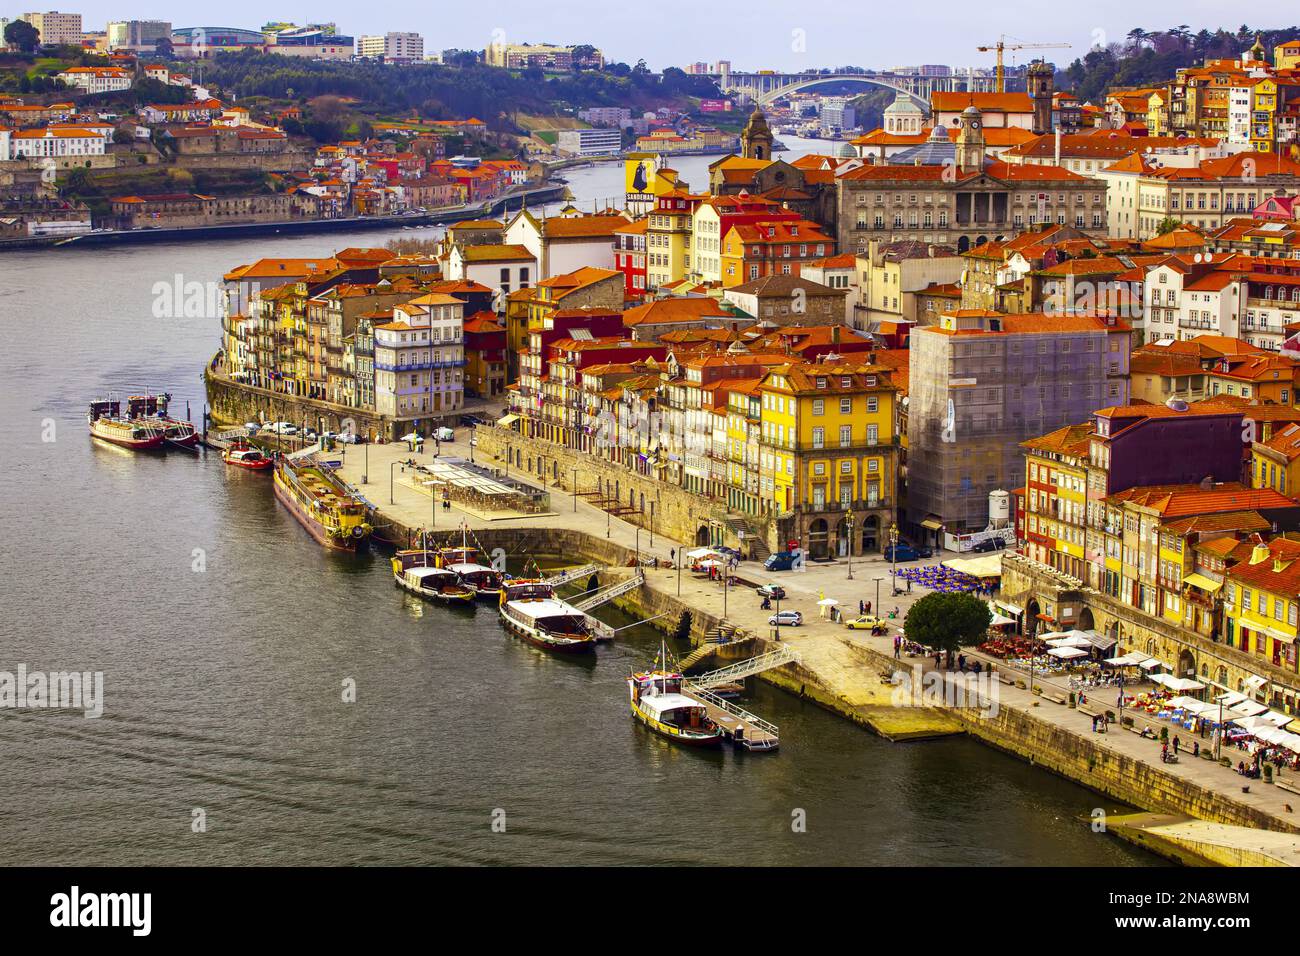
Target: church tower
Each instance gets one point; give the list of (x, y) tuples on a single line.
[(756, 137), (1039, 81), (970, 139)]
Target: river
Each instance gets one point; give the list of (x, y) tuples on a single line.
[(226, 638)]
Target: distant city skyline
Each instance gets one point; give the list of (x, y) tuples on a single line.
[(773, 34)]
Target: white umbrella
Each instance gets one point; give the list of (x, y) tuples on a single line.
[(827, 602), (1070, 640), (1053, 635), (1066, 653), (709, 564)]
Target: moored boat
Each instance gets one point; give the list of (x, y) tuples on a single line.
[(321, 503), (241, 453), (152, 410), (659, 701), (107, 425), (417, 572), (530, 609), (485, 581)]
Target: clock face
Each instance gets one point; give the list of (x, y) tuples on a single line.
[(975, 124)]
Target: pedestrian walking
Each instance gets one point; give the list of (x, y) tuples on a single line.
[(909, 585), (862, 607), (868, 607), (961, 663), (1177, 744)]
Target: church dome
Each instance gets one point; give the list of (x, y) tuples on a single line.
[(903, 105)]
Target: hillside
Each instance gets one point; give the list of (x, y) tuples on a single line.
[(435, 91)]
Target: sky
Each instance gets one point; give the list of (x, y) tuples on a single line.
[(765, 34)]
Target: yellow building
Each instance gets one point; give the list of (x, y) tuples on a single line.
[(1275, 463), (1286, 56), (828, 455), (668, 237), (1263, 115), (1260, 602)]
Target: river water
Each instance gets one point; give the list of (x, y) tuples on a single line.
[(226, 638)]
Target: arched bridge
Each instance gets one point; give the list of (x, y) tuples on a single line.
[(765, 88)]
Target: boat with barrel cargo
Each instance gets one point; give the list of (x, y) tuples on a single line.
[(242, 454), (321, 502), (107, 424), (151, 410), (417, 572), (530, 609), (660, 702), (463, 560)]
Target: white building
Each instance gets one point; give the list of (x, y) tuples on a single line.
[(589, 142), (420, 358), (393, 47), (138, 35), (97, 79), (55, 27), (52, 142)]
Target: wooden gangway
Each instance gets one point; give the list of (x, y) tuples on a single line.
[(571, 574), (785, 654), (608, 593), (739, 726)]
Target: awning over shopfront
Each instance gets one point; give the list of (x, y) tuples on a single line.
[(1067, 653), (1010, 608), (985, 566), (507, 421), (1202, 582), (933, 523), (1254, 680)]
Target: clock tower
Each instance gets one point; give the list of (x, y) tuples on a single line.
[(970, 139)]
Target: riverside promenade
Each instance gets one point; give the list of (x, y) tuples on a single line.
[(847, 664)]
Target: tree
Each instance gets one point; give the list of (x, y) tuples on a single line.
[(947, 622), (1167, 225), (22, 36), (164, 48)]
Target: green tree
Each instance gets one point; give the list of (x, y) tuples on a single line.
[(947, 622), (164, 48), (22, 36), (1167, 225)]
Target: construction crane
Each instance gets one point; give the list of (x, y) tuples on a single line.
[(1002, 44)]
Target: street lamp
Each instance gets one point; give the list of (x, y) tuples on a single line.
[(575, 491), (879, 578), (365, 470), (893, 554), (848, 525), (391, 466)]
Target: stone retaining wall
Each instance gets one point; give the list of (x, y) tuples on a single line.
[(678, 513)]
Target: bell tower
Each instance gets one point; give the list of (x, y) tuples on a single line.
[(1039, 82), (970, 139), (756, 137)]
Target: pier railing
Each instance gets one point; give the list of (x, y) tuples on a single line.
[(722, 703), (755, 665)]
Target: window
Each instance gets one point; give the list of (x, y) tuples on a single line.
[(818, 406), (846, 405), (819, 437), (846, 435)]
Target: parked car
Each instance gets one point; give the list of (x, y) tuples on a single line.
[(865, 623), (781, 561), (444, 434), (280, 428), (773, 591), (729, 552), (905, 552), (989, 544), (413, 437), (785, 618)]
